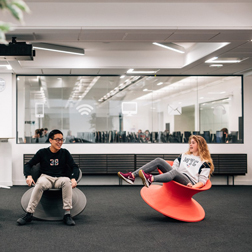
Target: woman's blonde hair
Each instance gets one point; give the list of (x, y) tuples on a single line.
[(203, 150)]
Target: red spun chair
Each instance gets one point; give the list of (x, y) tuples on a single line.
[(175, 200)]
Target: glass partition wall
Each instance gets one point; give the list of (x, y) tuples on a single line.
[(130, 109)]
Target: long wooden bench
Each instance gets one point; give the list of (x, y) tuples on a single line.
[(110, 164)]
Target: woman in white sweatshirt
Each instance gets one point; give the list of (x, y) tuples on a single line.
[(192, 168)]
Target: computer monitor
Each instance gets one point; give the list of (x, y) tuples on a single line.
[(39, 110), (20, 139), (28, 139), (129, 108)]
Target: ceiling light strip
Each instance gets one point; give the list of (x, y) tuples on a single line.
[(226, 60), (120, 87), (73, 94), (132, 71), (171, 46), (59, 48), (216, 65)]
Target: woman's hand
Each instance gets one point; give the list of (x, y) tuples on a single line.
[(198, 185)]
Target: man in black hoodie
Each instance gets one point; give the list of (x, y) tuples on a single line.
[(53, 161)]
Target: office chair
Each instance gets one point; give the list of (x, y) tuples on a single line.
[(234, 136), (196, 132), (187, 134), (219, 137), (207, 136)]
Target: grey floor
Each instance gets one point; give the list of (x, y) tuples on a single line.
[(117, 219)]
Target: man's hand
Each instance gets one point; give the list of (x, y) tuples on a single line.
[(74, 183), (29, 180), (189, 185)]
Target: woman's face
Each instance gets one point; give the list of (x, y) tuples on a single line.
[(193, 146)]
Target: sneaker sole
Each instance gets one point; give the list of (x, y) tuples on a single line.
[(127, 180), (145, 181), (21, 222), (69, 224)]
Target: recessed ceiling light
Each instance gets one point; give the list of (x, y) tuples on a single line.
[(171, 46), (160, 83), (224, 60), (6, 66), (216, 65), (132, 71)]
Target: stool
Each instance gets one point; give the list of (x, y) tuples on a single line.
[(175, 200), (50, 205)]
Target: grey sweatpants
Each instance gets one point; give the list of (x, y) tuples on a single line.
[(168, 172), (46, 182)]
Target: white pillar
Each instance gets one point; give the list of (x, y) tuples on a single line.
[(6, 130)]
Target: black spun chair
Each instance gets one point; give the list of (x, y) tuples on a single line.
[(50, 205)]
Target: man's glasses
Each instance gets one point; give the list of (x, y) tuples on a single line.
[(58, 140)]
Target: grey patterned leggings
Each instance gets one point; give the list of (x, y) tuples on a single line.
[(168, 172)]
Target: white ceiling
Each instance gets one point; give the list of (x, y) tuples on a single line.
[(115, 43), (138, 1)]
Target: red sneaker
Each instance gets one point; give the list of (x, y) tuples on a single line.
[(146, 178), (128, 177)]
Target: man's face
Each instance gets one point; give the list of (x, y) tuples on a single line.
[(56, 142)]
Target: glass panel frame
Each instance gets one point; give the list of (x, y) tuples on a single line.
[(133, 109)]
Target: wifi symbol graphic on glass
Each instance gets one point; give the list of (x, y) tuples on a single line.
[(84, 109)]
